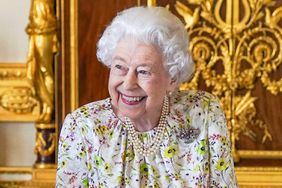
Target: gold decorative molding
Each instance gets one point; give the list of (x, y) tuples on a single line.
[(12, 71), (259, 176), (260, 154), (27, 170), (44, 175), (41, 178), (74, 54), (25, 184), (17, 103), (18, 100), (61, 15)]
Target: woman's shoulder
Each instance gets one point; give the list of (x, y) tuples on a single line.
[(193, 106), (95, 112), (196, 98), (91, 121), (196, 112)]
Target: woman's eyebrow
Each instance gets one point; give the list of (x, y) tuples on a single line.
[(119, 58), (146, 65)]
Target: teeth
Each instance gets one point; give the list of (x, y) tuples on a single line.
[(132, 99)]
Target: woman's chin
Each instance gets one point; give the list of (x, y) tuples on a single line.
[(133, 115)]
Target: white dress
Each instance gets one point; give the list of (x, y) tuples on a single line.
[(94, 150)]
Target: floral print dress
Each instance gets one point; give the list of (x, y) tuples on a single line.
[(94, 150)]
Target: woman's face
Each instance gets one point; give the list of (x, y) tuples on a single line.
[(138, 80)]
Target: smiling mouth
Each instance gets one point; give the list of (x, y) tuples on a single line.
[(131, 100)]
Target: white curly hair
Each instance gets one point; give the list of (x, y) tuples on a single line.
[(151, 25)]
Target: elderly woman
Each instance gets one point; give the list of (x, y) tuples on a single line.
[(147, 134)]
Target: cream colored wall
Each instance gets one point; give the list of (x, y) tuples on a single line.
[(13, 21), (17, 143), (17, 140)]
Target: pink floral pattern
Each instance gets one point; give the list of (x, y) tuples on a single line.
[(94, 150)]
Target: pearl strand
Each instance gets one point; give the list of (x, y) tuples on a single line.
[(148, 148)]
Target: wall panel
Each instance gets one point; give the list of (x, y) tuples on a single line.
[(93, 17)]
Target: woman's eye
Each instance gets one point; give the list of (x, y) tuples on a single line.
[(119, 69), (118, 66), (144, 72)]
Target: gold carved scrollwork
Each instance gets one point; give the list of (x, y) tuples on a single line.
[(42, 47), (232, 52), (42, 147), (18, 100)]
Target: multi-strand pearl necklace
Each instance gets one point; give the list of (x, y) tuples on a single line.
[(146, 149)]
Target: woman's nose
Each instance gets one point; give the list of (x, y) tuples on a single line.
[(130, 80)]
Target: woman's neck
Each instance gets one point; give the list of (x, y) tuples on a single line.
[(143, 125)]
